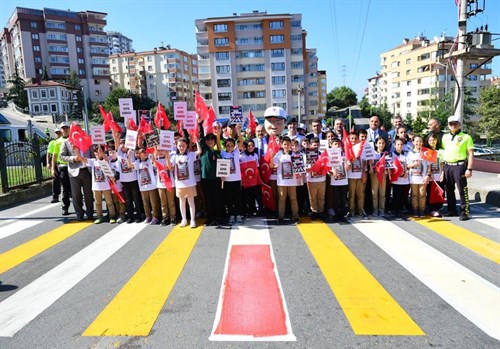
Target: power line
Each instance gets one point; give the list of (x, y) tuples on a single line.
[(333, 26), (361, 41)]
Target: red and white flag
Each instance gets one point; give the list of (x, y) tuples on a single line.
[(161, 118), (428, 154), (249, 174), (79, 138)]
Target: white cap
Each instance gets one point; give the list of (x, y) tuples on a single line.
[(63, 124), (453, 118), (57, 129), (302, 126), (276, 112)]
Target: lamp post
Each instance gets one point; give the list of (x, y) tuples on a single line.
[(446, 76), (300, 89)]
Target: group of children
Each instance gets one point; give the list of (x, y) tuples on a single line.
[(154, 186)]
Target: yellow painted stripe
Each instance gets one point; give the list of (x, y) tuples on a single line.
[(134, 310), (369, 308), (475, 242), (22, 253)]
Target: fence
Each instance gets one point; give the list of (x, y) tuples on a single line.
[(23, 164)]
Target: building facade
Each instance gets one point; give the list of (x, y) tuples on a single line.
[(118, 43), (164, 75), (374, 90), (414, 73), (51, 98), (256, 60), (62, 41)]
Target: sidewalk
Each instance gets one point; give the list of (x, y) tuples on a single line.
[(483, 187)]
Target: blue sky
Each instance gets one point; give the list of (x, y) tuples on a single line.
[(349, 35)]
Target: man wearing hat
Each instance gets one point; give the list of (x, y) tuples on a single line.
[(458, 157), (293, 133), (56, 182), (60, 168)]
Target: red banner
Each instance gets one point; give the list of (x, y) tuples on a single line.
[(161, 118), (380, 169), (264, 169), (249, 174), (267, 197), (436, 195), (79, 138), (346, 144), (398, 171), (428, 154)]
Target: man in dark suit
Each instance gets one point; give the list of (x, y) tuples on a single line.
[(374, 132), (316, 131), (79, 178)]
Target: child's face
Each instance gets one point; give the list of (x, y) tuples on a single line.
[(417, 143), (286, 145), (336, 144), (432, 142), (401, 133), (250, 147), (229, 146), (315, 145), (380, 144), (305, 144), (112, 154), (362, 137), (353, 139), (295, 147), (398, 146), (182, 146)]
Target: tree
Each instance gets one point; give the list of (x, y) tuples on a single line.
[(45, 74), (341, 97), (73, 80), (489, 110), (17, 93)]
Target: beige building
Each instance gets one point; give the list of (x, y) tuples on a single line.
[(163, 74), (60, 40), (322, 92), (413, 73), (374, 90), (256, 60)]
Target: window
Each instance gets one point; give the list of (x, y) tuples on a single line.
[(408, 83), (38, 59), (279, 52), (52, 93), (408, 61), (220, 28), (36, 48), (249, 54), (82, 61), (296, 51), (224, 83), (224, 109), (43, 93), (424, 56), (295, 24), (278, 66), (250, 67), (282, 105), (79, 50), (34, 36), (150, 68), (297, 65), (34, 94), (278, 80), (408, 104), (45, 108), (78, 38), (297, 37), (274, 25), (473, 65), (221, 56), (395, 64), (423, 91), (472, 77), (223, 69), (53, 108), (408, 71), (279, 93), (277, 39), (224, 96), (221, 41), (34, 25), (78, 27), (408, 94)]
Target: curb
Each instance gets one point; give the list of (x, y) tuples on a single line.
[(15, 198), (490, 197)]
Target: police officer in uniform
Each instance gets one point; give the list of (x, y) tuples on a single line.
[(458, 157)]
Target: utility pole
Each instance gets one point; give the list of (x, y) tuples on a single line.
[(344, 72), (462, 35)]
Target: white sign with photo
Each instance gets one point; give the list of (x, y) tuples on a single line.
[(335, 155), (323, 144), (106, 169), (98, 135)]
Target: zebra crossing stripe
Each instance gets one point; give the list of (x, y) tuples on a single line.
[(29, 302), (251, 303), (475, 242), (369, 308), (22, 253), (27, 214), (474, 297), (16, 227), (134, 310), (492, 222)]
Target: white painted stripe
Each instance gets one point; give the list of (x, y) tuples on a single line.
[(254, 232), (27, 214), (16, 227), (474, 297), (492, 222), (26, 304)]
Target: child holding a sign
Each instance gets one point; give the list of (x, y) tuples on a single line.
[(100, 184), (232, 183), (285, 180), (378, 188), (338, 179), (316, 182), (167, 196), (401, 183), (356, 175), (420, 174), (182, 163)]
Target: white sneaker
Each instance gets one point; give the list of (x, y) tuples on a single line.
[(331, 212), (239, 219), (183, 223), (231, 220), (193, 224)]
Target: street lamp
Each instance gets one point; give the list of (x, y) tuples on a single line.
[(300, 89), (446, 76)]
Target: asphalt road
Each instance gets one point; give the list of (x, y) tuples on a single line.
[(366, 284)]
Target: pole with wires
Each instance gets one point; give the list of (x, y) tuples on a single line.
[(460, 78)]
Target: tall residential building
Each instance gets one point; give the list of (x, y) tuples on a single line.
[(413, 74), (374, 91), (63, 41), (256, 60), (322, 92), (164, 75), (119, 43)]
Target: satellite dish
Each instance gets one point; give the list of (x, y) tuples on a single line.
[(436, 39)]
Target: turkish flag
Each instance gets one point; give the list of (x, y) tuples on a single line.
[(398, 169), (161, 117), (358, 149), (194, 133), (109, 122), (208, 122), (179, 128), (115, 191), (249, 174), (200, 107), (428, 154), (436, 195), (144, 126), (165, 178), (132, 125), (321, 164), (252, 124), (264, 169), (79, 138), (267, 197), (380, 169), (346, 144), (272, 148)]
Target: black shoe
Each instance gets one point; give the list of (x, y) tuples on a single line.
[(280, 221), (80, 218), (451, 214), (65, 212), (54, 200), (464, 217), (138, 220), (129, 221), (296, 220), (166, 221)]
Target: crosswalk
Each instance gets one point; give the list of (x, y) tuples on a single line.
[(252, 303)]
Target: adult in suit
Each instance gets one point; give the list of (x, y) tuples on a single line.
[(374, 131), (80, 179), (397, 122), (260, 140), (316, 131)]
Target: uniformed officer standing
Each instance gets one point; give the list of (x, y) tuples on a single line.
[(458, 157)]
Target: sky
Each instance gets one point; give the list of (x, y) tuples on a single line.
[(349, 35)]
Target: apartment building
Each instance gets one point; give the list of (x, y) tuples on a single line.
[(163, 74), (374, 90), (414, 73), (118, 43), (256, 60), (322, 92), (62, 41)]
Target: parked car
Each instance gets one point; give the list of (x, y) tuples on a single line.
[(3, 103)]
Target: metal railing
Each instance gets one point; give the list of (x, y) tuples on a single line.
[(23, 164)]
